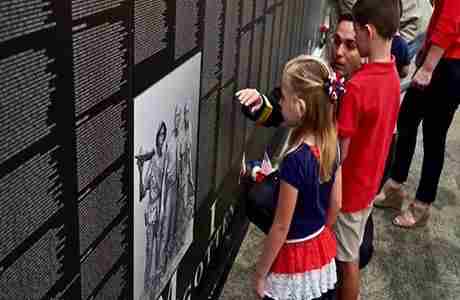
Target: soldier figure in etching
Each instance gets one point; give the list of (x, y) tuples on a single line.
[(155, 188)]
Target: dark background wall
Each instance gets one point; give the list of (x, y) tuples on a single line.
[(69, 73)]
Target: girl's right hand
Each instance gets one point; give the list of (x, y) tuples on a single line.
[(250, 98)]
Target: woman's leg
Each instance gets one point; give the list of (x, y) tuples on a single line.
[(410, 115), (435, 127), (436, 123)]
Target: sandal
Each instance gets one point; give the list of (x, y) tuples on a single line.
[(416, 215), (390, 197)]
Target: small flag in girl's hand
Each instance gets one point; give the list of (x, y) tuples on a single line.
[(266, 167)]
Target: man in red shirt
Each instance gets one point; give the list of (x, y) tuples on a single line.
[(437, 78), (366, 121)]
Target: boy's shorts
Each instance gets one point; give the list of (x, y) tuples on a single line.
[(349, 231)]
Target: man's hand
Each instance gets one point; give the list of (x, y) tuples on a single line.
[(422, 78), (250, 98)]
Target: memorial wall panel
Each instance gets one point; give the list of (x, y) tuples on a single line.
[(36, 252), (247, 11), (187, 27), (225, 133), (276, 69), (230, 51), (285, 40), (64, 71), (259, 8), (212, 46), (266, 54), (207, 149), (150, 28), (101, 57)]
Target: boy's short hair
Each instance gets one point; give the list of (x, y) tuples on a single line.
[(383, 14)]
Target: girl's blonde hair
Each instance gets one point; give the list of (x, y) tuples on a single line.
[(306, 77)]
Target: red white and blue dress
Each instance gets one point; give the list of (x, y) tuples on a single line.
[(305, 266)]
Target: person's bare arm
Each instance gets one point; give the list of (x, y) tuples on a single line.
[(335, 199), (422, 77), (278, 233)]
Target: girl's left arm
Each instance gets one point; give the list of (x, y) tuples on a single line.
[(279, 230), (335, 201)]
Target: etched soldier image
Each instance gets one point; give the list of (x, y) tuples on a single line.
[(154, 189), (167, 190), (165, 150), (184, 168)]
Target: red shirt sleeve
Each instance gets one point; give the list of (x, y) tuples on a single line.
[(349, 112), (445, 29)]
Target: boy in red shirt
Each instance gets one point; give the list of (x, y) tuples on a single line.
[(367, 117)]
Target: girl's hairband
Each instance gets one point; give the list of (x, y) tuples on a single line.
[(334, 88)]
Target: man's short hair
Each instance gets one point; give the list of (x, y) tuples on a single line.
[(383, 14)]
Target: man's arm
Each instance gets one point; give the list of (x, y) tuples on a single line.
[(435, 53)]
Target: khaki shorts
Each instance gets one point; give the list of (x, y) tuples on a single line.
[(349, 231)]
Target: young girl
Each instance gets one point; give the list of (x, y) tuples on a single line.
[(297, 261)]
